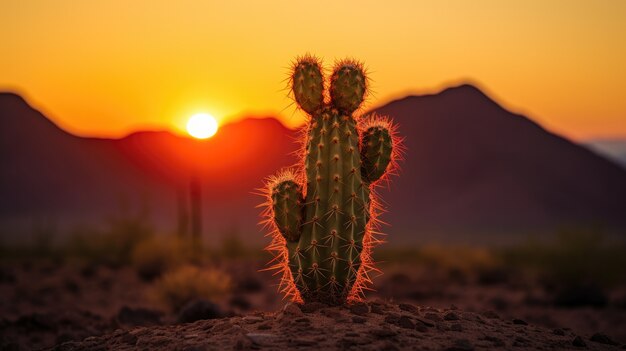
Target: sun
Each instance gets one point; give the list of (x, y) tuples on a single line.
[(202, 126)]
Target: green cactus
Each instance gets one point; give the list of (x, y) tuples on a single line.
[(324, 212)]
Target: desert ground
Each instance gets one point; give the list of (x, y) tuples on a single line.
[(429, 297)]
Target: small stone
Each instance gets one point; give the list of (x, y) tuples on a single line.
[(433, 316), (406, 323), (409, 308), (451, 316), (378, 309), (360, 309), (292, 309), (518, 321), (392, 318), (425, 322), (491, 315), (260, 338), (461, 345), (558, 331), (359, 319), (579, 342), (252, 319), (603, 339), (456, 327), (383, 333)]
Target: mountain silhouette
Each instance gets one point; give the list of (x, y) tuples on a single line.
[(472, 171), (473, 167)]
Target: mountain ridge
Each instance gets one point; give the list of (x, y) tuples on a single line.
[(471, 167)]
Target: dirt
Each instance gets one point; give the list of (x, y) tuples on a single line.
[(373, 326), (60, 306)]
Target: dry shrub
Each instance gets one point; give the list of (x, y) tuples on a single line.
[(188, 282), (152, 257)]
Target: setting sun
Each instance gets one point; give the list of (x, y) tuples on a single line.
[(202, 126)]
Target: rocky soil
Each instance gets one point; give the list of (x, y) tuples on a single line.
[(374, 325)]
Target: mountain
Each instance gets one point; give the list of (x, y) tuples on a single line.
[(613, 149), (473, 172), (473, 167), (59, 181)]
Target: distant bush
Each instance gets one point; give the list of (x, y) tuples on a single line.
[(152, 257), (573, 258), (175, 288)]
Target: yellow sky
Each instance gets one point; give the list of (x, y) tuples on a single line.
[(110, 67)]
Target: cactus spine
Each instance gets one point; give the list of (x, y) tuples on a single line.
[(324, 212)]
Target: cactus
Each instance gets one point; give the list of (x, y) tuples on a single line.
[(323, 212)]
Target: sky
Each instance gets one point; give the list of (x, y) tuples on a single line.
[(107, 68)]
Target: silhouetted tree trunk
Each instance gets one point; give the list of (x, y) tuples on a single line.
[(183, 213), (195, 192)]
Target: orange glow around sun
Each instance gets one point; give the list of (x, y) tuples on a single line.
[(202, 126)]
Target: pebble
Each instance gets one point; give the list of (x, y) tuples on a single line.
[(360, 309), (383, 333), (602, 339), (433, 316), (260, 338), (406, 323), (409, 308), (518, 321), (558, 331), (451, 316), (292, 309)]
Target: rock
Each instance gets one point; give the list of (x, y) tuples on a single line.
[(383, 333), (602, 339), (420, 327), (406, 323), (292, 309), (519, 322), (360, 309), (392, 318), (451, 316), (579, 342), (558, 331), (433, 316), (409, 308), (252, 319), (491, 315), (425, 322), (461, 345), (199, 309), (260, 339), (376, 308)]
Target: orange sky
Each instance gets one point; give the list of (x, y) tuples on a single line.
[(106, 68)]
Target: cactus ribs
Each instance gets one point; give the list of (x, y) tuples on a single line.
[(323, 213)]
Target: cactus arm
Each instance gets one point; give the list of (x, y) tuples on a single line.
[(287, 208), (376, 152)]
